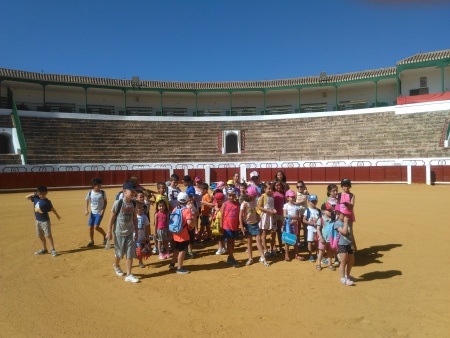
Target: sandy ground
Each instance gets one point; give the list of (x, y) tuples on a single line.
[(402, 270)]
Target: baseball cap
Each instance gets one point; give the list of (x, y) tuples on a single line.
[(197, 179), (332, 201), (220, 185), (290, 193), (324, 207), (129, 186), (219, 196), (230, 182), (312, 198), (254, 174), (251, 191), (231, 191), (346, 182), (183, 197)]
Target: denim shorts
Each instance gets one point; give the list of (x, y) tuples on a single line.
[(252, 229), (95, 219), (231, 234)]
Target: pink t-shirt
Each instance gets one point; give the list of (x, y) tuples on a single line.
[(161, 220), (343, 208), (278, 198), (230, 216)]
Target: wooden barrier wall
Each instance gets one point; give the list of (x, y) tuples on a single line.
[(386, 174)]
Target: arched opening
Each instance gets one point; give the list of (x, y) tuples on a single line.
[(231, 143), (5, 144)]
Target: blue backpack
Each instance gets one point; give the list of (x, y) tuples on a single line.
[(176, 220)]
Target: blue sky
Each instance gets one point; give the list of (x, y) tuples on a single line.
[(210, 40)]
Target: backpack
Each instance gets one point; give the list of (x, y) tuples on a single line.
[(308, 215), (286, 236), (118, 194), (334, 238), (102, 191), (144, 250), (215, 225), (176, 220)]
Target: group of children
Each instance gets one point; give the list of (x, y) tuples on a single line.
[(235, 210)]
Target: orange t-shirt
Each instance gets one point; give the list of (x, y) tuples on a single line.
[(184, 234), (206, 209)]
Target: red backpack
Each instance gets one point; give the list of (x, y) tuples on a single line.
[(144, 250)]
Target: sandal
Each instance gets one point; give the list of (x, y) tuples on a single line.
[(249, 262), (331, 267), (264, 262), (318, 268), (300, 258)]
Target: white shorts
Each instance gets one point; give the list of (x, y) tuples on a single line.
[(311, 233)]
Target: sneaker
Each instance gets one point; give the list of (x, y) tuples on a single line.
[(105, 241), (336, 263), (311, 259), (141, 265), (41, 252), (189, 255), (346, 281), (249, 262), (168, 255), (171, 266), (263, 261), (220, 251), (118, 270), (182, 271), (267, 254), (54, 254), (155, 250), (131, 278), (90, 244), (162, 256), (325, 261), (234, 263)]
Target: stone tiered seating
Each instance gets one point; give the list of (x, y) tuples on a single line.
[(375, 135)]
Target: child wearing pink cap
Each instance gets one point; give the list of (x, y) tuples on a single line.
[(248, 219), (291, 212)]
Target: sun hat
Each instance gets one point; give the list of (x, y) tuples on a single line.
[(312, 198), (251, 191), (230, 182), (290, 193), (183, 197)]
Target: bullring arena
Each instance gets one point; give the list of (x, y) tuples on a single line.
[(382, 129)]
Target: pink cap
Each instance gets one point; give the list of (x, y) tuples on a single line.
[(290, 193), (251, 191)]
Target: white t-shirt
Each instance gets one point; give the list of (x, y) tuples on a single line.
[(292, 210), (96, 200)]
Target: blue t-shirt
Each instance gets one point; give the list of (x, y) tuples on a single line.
[(41, 208), (190, 190), (347, 239)]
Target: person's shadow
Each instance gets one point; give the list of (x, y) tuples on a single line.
[(372, 255)]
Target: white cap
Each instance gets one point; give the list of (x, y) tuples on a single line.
[(183, 197)]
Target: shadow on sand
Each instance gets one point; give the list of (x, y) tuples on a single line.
[(372, 254)]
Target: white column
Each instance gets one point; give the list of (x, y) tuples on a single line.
[(428, 174), (243, 172), (409, 174), (207, 174)]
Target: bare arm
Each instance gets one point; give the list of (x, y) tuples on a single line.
[(56, 213)]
